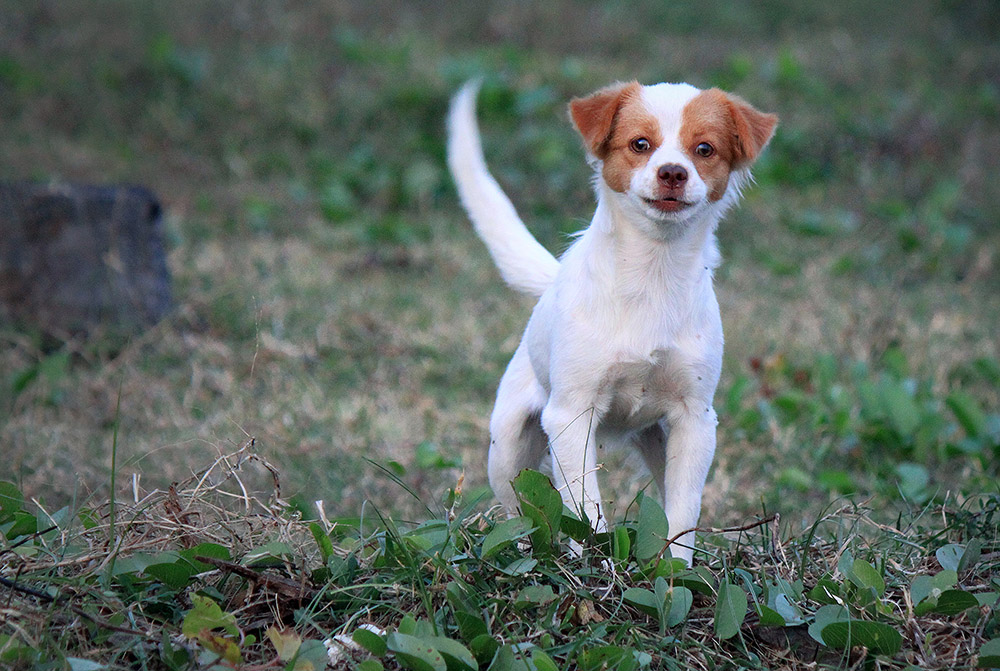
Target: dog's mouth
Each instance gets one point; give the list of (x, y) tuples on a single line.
[(667, 204)]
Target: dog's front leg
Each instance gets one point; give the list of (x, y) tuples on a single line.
[(574, 459), (690, 448)]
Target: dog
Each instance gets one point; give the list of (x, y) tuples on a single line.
[(624, 346)]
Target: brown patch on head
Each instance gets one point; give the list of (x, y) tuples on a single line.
[(735, 130), (609, 121)]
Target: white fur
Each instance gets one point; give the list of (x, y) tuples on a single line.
[(625, 343)]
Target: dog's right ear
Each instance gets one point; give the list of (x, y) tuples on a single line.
[(594, 116)]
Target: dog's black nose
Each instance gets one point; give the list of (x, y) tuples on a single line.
[(672, 175)]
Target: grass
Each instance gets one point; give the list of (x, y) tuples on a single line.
[(334, 305)]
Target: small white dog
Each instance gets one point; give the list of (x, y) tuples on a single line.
[(625, 343)]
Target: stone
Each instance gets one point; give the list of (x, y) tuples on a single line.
[(77, 258)]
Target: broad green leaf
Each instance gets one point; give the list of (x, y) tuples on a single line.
[(607, 657), (371, 665), (621, 544), (951, 602), (973, 551), (788, 611), (470, 625), (534, 595), (268, 552), (769, 617), (730, 610), (542, 504), (520, 566), (175, 575), (949, 556), (989, 654), (210, 550), (415, 653), (206, 616), (542, 661), (652, 530), (79, 664), (573, 526), (968, 412), (323, 541), (680, 605), (456, 656), (11, 500), (370, 641), (824, 616), (312, 656), (865, 576), (505, 533), (878, 637), (901, 408), (484, 647), (641, 599)]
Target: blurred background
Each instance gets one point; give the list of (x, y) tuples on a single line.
[(333, 302)]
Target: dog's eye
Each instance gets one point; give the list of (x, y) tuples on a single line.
[(704, 150), (639, 145)]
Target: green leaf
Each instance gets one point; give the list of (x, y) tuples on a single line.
[(484, 647), (370, 641), (505, 533), (470, 625), (730, 610), (206, 616), (11, 500), (652, 530), (607, 657), (641, 599), (534, 595), (989, 654), (520, 566), (175, 575), (865, 576), (680, 605), (78, 664), (824, 616), (621, 544), (456, 656), (415, 653), (542, 661), (541, 503), (901, 408), (371, 665), (267, 553), (323, 541), (949, 556), (769, 617), (968, 412), (953, 602), (973, 551), (211, 550), (573, 526), (877, 637)]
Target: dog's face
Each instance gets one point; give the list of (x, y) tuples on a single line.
[(671, 150)]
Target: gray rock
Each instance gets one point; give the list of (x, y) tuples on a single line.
[(77, 257)]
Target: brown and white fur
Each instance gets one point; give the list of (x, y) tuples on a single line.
[(625, 343)]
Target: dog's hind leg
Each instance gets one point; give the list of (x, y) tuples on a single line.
[(652, 445), (516, 438)]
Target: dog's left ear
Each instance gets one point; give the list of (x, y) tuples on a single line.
[(594, 116), (754, 129)]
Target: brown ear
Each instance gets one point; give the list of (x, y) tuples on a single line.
[(753, 129), (594, 116)]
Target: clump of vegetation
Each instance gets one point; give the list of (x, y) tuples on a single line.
[(209, 575)]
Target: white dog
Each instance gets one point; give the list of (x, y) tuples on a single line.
[(625, 343)]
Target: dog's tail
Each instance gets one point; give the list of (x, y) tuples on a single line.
[(524, 264)]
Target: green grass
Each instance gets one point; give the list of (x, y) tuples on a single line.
[(334, 304)]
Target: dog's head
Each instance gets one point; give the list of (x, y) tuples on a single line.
[(671, 150)]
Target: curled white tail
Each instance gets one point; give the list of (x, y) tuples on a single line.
[(524, 264)]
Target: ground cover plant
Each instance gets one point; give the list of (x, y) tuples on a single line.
[(335, 307)]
